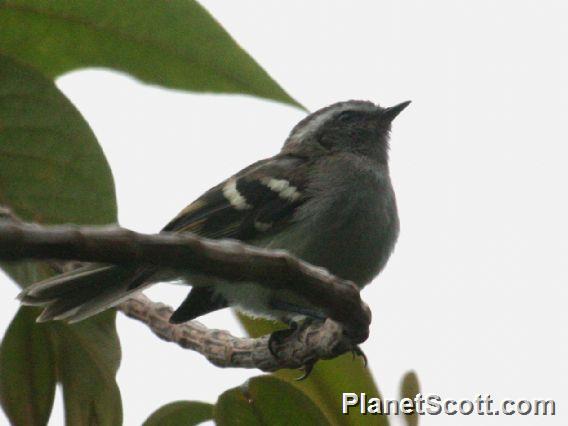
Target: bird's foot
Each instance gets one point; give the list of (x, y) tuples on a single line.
[(277, 338), (307, 368), (357, 351)]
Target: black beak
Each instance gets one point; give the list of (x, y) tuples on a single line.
[(389, 114)]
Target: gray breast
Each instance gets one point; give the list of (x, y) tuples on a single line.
[(349, 225)]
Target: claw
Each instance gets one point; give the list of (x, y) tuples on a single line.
[(357, 351), (307, 371)]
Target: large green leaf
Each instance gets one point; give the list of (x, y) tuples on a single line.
[(328, 380), (173, 43), (52, 170), (267, 400), (88, 358), (181, 413), (27, 369)]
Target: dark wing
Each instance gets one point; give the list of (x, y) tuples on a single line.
[(255, 202)]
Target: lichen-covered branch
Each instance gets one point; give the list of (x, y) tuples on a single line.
[(312, 341), (349, 317)]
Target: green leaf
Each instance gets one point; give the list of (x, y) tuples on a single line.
[(409, 388), (88, 358), (181, 413), (267, 400), (52, 170), (328, 380), (27, 368), (174, 43)]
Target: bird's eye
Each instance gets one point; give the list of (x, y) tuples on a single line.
[(347, 116)]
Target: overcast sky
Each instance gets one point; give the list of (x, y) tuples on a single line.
[(474, 297)]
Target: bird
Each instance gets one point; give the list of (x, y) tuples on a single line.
[(326, 198)]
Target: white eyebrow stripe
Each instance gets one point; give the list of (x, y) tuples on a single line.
[(234, 197), (283, 188), (314, 124)]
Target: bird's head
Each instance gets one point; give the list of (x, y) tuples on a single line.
[(359, 127)]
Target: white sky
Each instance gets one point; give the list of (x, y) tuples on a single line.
[(474, 297)]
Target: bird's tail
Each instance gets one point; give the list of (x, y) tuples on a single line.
[(83, 292)]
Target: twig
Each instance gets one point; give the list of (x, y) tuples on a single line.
[(312, 341), (232, 260)]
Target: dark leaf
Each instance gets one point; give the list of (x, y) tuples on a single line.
[(173, 43), (267, 400), (88, 356), (181, 413), (27, 369), (328, 380), (52, 170)]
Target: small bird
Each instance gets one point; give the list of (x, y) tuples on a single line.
[(326, 198)]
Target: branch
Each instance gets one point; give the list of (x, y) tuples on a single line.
[(227, 259), (309, 343)]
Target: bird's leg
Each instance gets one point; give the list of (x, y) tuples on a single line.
[(292, 311), (278, 336)]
